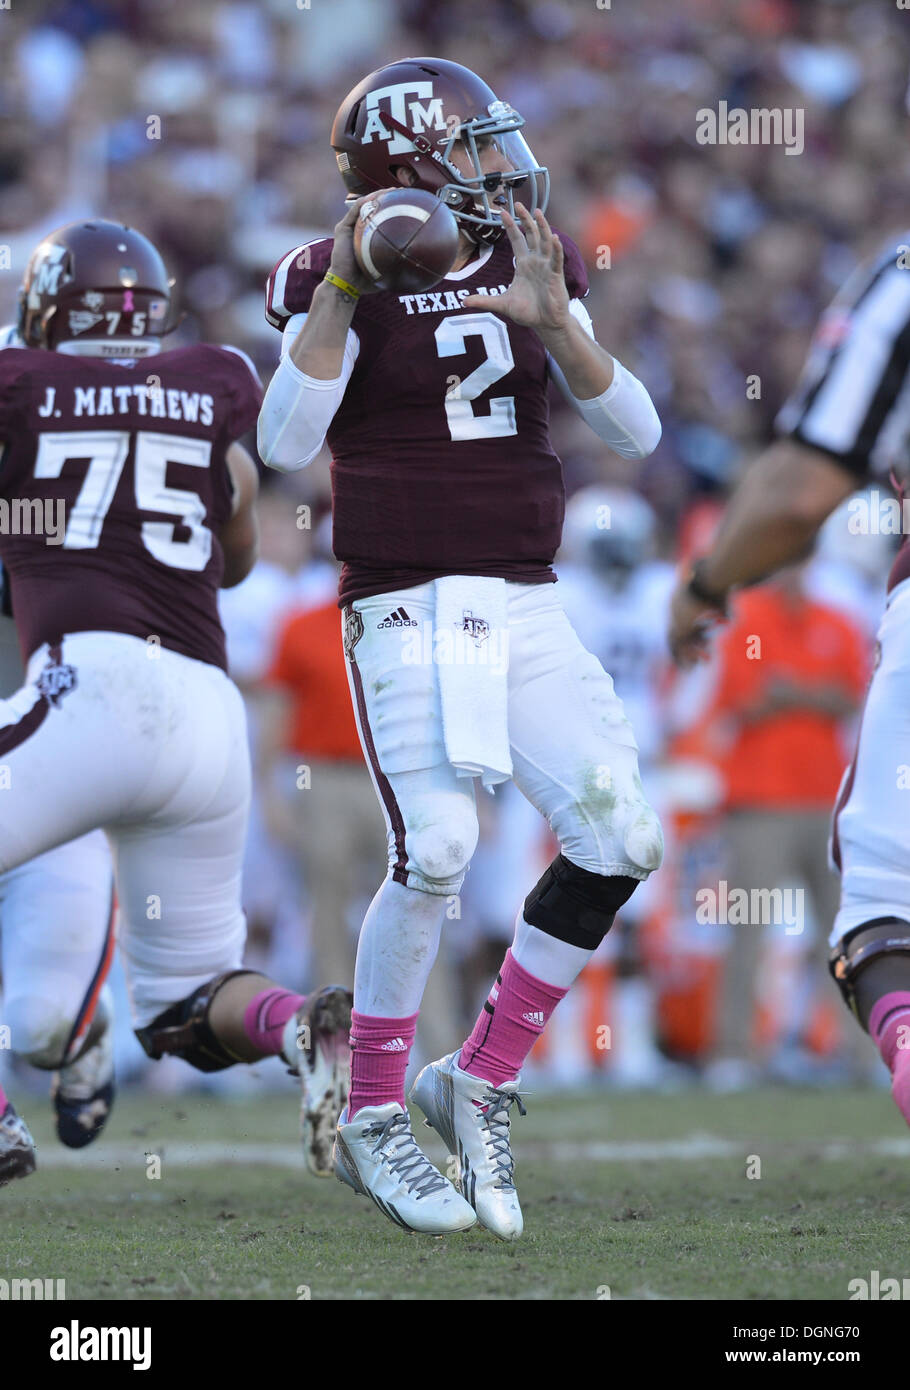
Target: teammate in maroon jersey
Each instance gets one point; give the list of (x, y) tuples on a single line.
[(448, 508), (126, 500)]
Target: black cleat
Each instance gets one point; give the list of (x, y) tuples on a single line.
[(83, 1092)]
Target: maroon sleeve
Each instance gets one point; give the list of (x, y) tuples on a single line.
[(574, 268), (13, 361), (244, 389), (290, 286)]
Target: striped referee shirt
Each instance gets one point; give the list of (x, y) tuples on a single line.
[(852, 401)]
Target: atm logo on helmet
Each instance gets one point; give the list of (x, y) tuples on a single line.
[(48, 269), (425, 113)]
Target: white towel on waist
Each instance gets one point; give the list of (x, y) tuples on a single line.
[(471, 649)]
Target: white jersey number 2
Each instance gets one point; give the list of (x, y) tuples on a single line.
[(450, 342), (107, 452)]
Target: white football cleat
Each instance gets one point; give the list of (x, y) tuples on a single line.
[(317, 1047), (472, 1118), (17, 1147), (83, 1091), (376, 1154)]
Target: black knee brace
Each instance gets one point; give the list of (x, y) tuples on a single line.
[(184, 1029), (847, 960), (576, 905)]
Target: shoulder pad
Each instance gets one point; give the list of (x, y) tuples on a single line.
[(291, 284)]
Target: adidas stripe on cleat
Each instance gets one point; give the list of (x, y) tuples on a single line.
[(472, 1118), (377, 1155)]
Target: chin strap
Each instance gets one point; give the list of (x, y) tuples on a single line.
[(420, 142)]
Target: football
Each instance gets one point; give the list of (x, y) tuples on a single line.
[(405, 240)]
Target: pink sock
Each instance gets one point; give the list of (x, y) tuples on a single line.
[(517, 1011), (4, 1100), (380, 1048), (265, 1016), (889, 1026), (889, 1015)]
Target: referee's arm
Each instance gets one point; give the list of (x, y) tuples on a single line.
[(775, 514), (841, 416)]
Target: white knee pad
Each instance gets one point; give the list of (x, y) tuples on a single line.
[(39, 1030), (643, 838), (439, 850), (614, 834)]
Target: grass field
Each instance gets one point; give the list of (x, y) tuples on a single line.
[(644, 1195)]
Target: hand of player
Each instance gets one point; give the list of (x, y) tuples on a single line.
[(778, 695), (344, 262), (691, 622), (537, 297), (824, 697)]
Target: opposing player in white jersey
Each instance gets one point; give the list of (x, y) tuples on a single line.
[(849, 568), (617, 595), (128, 720), (848, 421), (447, 511), (616, 592)]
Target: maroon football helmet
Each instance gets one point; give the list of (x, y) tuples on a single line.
[(411, 114), (97, 288)]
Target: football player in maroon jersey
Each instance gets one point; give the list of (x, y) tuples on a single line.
[(126, 500), (448, 508)]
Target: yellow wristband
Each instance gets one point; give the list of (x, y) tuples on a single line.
[(341, 284)]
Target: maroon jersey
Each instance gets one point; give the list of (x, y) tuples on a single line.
[(113, 487), (441, 453)]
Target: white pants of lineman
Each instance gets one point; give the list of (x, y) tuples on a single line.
[(871, 830), (151, 747), (573, 752), (56, 946)]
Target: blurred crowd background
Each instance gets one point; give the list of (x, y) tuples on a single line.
[(709, 265)]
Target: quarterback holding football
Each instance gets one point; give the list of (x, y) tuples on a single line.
[(448, 510)]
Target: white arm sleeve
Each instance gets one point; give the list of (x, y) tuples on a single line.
[(623, 416), (298, 409)]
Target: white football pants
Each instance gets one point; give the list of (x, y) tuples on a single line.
[(56, 946), (150, 746), (573, 751), (870, 840)]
